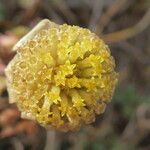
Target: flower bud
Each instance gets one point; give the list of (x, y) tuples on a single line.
[(61, 76)]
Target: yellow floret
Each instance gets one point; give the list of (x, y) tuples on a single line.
[(62, 77)]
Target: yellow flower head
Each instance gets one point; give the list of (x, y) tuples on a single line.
[(62, 77)]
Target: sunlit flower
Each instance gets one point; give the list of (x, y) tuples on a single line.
[(62, 77)]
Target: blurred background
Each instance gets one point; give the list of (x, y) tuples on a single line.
[(125, 26)]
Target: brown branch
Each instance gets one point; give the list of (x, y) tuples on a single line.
[(129, 32), (138, 126), (115, 7), (96, 13), (63, 7), (31, 11), (135, 52)]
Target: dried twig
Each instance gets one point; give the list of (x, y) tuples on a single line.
[(96, 13), (63, 7), (142, 119), (52, 13), (137, 127), (17, 144), (135, 52), (51, 140), (31, 11), (117, 5), (129, 32)]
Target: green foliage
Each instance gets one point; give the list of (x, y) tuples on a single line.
[(110, 142), (2, 12), (128, 98)]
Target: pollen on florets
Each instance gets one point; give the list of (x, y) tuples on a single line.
[(62, 77)]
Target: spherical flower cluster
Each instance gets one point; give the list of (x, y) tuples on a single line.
[(62, 77)]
